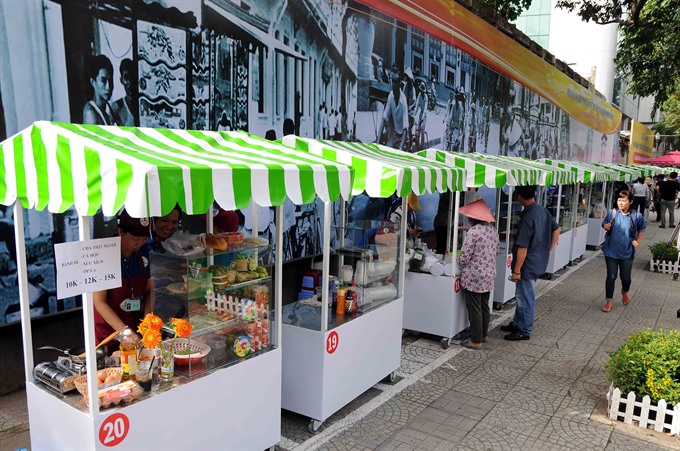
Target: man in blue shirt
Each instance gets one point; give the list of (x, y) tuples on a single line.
[(537, 235)]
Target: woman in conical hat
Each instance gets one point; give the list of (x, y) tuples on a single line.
[(477, 262)]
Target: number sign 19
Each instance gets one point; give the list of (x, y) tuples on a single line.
[(332, 342), (114, 429)]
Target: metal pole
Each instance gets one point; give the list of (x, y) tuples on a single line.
[(448, 220), (508, 223), (456, 215), (278, 270), (88, 326), (327, 213), (402, 245), (24, 301)]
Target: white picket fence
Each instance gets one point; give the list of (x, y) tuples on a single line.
[(646, 407), (664, 267)]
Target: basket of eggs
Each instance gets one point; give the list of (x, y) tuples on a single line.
[(108, 377)]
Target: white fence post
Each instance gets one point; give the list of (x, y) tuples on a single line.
[(615, 401), (630, 405), (644, 413), (660, 415)]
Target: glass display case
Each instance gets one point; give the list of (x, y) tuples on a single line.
[(560, 204), (364, 275), (581, 198), (598, 204), (227, 298)]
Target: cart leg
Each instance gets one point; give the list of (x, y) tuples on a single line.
[(392, 377), (314, 426), (446, 342)]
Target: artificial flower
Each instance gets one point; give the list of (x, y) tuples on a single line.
[(182, 327), (151, 339)]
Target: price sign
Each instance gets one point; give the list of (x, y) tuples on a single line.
[(85, 266), (114, 429), (332, 342), (456, 285)]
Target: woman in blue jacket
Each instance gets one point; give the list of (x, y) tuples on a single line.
[(625, 229)]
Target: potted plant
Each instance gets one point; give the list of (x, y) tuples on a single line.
[(664, 257), (647, 364)]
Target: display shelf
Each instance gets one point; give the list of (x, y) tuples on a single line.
[(230, 312)]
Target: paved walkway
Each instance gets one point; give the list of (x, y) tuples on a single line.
[(546, 393)]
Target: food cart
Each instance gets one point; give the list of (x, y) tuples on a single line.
[(495, 177), (149, 171), (588, 176), (557, 195), (329, 357)]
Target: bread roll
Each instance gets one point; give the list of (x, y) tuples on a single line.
[(215, 242)]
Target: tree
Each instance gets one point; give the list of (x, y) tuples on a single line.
[(508, 9), (648, 55), (669, 127)]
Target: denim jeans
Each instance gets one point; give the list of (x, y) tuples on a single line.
[(613, 265), (670, 206), (524, 309)]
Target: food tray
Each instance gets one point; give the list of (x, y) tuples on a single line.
[(198, 351)]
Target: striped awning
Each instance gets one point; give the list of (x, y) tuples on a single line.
[(585, 172), (148, 170), (625, 173), (555, 176), (381, 171), (489, 170)]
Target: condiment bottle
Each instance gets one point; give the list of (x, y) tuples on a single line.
[(349, 300), (341, 305), (128, 353), (355, 299)]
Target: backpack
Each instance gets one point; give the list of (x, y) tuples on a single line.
[(633, 220)]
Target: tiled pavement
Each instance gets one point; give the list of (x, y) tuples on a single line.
[(546, 393)]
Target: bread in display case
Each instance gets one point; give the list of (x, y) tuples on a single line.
[(227, 298)]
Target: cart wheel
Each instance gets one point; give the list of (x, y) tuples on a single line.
[(497, 306), (549, 276), (314, 426), (446, 343), (392, 377)]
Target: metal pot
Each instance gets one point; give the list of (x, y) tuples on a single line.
[(78, 362)]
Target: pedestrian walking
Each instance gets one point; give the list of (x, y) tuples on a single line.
[(640, 195), (667, 192), (477, 262), (537, 235), (625, 228)]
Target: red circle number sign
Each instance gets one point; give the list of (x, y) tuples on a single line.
[(332, 342), (114, 429), (456, 285)]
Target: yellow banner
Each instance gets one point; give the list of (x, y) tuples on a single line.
[(452, 23), (641, 145)]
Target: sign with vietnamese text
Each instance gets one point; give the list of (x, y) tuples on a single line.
[(86, 266)]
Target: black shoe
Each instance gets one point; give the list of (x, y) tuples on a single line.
[(516, 336), (662, 227), (672, 226), (509, 328)]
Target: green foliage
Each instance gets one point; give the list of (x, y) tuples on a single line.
[(663, 251), (649, 49), (648, 363), (508, 9)]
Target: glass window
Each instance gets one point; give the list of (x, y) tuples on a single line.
[(532, 25)]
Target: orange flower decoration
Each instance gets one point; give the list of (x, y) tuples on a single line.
[(182, 327), (151, 339), (150, 321)]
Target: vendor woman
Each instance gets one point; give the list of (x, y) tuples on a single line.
[(126, 306), (162, 228)]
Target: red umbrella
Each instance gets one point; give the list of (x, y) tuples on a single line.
[(672, 158)]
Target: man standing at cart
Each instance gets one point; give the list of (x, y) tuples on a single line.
[(537, 235)]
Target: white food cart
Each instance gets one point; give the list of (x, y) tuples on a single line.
[(495, 176), (330, 359), (148, 171)]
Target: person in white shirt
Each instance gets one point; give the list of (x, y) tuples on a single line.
[(641, 195), (332, 123)]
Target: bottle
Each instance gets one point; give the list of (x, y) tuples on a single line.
[(128, 354), (341, 306), (350, 301), (355, 297)]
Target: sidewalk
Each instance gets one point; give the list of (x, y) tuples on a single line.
[(546, 393)]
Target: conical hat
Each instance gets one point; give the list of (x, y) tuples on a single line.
[(477, 210)]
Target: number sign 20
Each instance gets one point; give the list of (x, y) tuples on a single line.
[(114, 429)]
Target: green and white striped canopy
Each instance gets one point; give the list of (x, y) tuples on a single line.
[(381, 171), (555, 175), (625, 173), (585, 172), (489, 170), (148, 170)]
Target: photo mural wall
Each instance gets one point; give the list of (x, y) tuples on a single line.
[(335, 70)]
